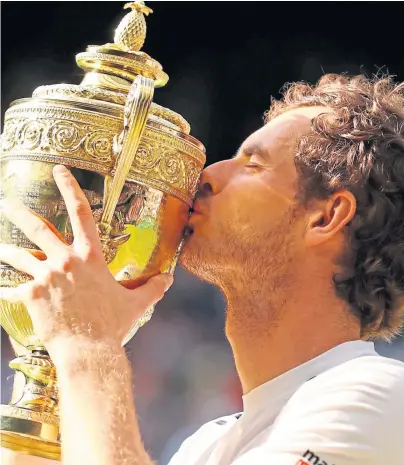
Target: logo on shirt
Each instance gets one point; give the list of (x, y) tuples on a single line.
[(310, 458)]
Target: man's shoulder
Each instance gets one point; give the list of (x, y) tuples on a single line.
[(366, 370), (357, 407), (365, 394), (374, 379)]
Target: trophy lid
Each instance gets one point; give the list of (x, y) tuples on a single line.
[(124, 58), (112, 67)]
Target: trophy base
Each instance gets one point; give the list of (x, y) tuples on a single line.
[(28, 432)]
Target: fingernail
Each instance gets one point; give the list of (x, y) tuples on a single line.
[(60, 169), (169, 279)]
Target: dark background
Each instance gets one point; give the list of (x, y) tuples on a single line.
[(225, 61)]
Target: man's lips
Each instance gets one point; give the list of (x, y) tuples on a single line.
[(195, 210)]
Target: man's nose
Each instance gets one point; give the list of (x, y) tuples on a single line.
[(214, 178)]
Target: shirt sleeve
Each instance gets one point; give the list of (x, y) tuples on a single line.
[(357, 419)]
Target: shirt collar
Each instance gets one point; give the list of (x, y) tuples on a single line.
[(278, 390)]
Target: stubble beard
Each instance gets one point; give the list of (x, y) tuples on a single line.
[(205, 257), (254, 270)]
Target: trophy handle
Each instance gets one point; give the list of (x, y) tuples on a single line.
[(136, 110)]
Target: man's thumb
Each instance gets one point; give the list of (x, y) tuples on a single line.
[(150, 293), (164, 280)]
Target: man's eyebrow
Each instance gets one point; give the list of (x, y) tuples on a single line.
[(249, 150)]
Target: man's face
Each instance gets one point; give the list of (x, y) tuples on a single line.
[(246, 218)]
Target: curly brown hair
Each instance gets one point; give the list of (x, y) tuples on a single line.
[(359, 146)]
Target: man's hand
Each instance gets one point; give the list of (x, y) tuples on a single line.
[(72, 293), (82, 315)]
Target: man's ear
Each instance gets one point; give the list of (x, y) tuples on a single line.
[(330, 217)]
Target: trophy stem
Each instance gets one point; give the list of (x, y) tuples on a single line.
[(30, 423)]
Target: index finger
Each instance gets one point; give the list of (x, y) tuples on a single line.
[(79, 210)]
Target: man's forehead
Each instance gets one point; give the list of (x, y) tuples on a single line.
[(282, 130)]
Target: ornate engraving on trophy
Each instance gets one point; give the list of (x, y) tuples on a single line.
[(60, 136), (36, 194), (166, 166)]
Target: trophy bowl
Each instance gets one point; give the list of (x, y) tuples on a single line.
[(139, 168)]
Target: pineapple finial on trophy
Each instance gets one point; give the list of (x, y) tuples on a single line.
[(131, 31)]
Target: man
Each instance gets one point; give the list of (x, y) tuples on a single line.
[(303, 232)]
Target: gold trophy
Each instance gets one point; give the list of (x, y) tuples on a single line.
[(139, 168)]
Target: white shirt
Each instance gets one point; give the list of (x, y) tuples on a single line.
[(344, 407)]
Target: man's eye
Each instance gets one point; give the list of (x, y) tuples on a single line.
[(252, 165)]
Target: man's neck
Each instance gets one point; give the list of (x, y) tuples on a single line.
[(270, 337)]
